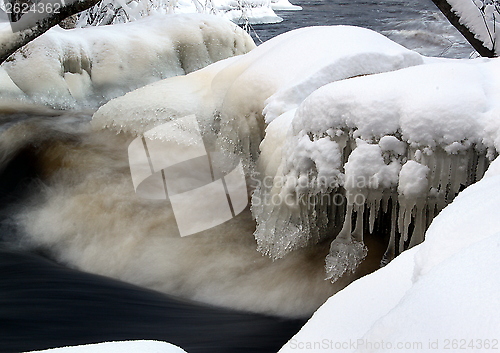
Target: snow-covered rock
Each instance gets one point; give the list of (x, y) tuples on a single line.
[(119, 347), (93, 65), (444, 115)]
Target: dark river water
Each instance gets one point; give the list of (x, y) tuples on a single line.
[(416, 24), (44, 304)]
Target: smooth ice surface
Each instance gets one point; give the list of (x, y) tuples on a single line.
[(444, 288), (93, 65), (120, 347)]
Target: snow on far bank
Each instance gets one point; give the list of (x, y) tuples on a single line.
[(119, 347), (438, 296), (93, 65), (237, 11)]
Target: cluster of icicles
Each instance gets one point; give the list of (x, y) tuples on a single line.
[(290, 217)]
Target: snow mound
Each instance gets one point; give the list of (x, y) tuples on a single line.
[(230, 96), (93, 65), (238, 11), (120, 347), (440, 293)]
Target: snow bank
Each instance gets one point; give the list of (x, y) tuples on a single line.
[(247, 11), (438, 296), (63, 67), (120, 347)]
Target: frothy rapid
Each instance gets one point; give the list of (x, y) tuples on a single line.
[(85, 214)]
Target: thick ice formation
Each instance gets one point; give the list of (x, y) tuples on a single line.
[(230, 96), (410, 140), (442, 293), (63, 67), (342, 132)]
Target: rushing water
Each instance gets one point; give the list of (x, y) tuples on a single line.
[(49, 162), (416, 24)]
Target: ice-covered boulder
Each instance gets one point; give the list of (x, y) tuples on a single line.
[(408, 142), (119, 347), (63, 67), (229, 97)]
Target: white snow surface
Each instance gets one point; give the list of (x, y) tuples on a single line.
[(429, 105), (366, 168), (444, 289), (95, 64), (119, 347)]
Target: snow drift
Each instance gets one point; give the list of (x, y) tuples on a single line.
[(93, 65)]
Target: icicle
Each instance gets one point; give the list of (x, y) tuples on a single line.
[(374, 201), (357, 234), (390, 253), (347, 250), (405, 211), (482, 165), (420, 220)]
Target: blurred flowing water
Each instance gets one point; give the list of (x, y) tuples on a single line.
[(44, 304)]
